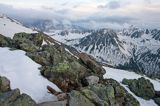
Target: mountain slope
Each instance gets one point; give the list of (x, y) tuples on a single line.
[(144, 50), (9, 27), (133, 48), (105, 45), (23, 72)]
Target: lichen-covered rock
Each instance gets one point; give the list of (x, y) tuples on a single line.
[(61, 67), (7, 98), (5, 42), (141, 87), (92, 96), (54, 103), (77, 99), (123, 98), (110, 93), (4, 84), (28, 42), (24, 100), (10, 97), (80, 79), (64, 75)]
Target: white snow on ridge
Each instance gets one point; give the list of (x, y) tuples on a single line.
[(70, 36), (24, 74), (9, 27), (119, 75)]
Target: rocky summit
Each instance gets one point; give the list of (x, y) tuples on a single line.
[(79, 78)]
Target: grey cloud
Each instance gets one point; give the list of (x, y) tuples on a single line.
[(114, 5), (64, 4), (147, 1), (65, 15), (47, 8), (111, 5)]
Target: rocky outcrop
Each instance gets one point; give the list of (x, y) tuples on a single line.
[(140, 87), (28, 42), (79, 78), (55, 103), (91, 63), (108, 93), (63, 69), (4, 84), (77, 99), (10, 97), (5, 42)]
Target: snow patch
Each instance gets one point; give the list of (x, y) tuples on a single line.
[(25, 75), (119, 75), (9, 27)]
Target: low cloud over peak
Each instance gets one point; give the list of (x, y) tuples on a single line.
[(143, 13)]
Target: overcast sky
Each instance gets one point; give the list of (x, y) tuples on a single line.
[(114, 13)]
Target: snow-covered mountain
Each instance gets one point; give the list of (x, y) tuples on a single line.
[(108, 46), (105, 45), (132, 48), (144, 46)]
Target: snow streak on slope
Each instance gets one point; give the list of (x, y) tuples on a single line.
[(25, 75), (119, 75), (9, 27)]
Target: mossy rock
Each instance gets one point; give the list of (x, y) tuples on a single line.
[(28, 42), (24, 100), (65, 75), (7, 98), (62, 67), (141, 87), (4, 84), (77, 99), (130, 101), (92, 96)]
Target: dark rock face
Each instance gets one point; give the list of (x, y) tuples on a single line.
[(91, 63), (5, 42), (10, 97), (157, 101), (141, 87)]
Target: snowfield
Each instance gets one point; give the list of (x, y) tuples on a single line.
[(24, 74), (119, 75), (9, 27)]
